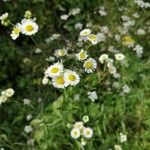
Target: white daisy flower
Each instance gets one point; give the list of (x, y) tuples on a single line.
[(45, 80), (3, 99), (28, 129), (93, 39), (9, 92), (103, 58), (71, 77), (60, 52), (4, 16), (78, 125), (85, 118), (85, 32), (82, 55), (16, 31), (117, 147), (59, 82), (112, 69), (29, 27), (90, 65), (75, 133), (88, 133), (64, 17), (26, 101), (119, 56), (123, 137), (54, 70)]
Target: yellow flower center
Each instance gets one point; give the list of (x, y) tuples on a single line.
[(92, 37), (16, 30), (89, 65), (128, 39), (75, 133), (60, 80), (54, 70), (87, 132), (29, 28), (71, 77), (82, 55), (61, 52)]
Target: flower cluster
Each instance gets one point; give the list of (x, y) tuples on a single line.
[(6, 94), (28, 26), (5, 21), (61, 77), (79, 130)]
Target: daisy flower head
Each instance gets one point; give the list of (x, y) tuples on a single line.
[(16, 31), (54, 70), (29, 27), (4, 16), (119, 56), (128, 41), (9, 92), (88, 133), (103, 58), (75, 133), (59, 82), (60, 52), (82, 55), (78, 125), (71, 77), (85, 32), (93, 39), (90, 65)]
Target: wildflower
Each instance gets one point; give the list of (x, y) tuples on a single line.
[(28, 14), (128, 41), (76, 97), (92, 96), (29, 27), (123, 138), (78, 125), (54, 70), (71, 77), (16, 31), (88, 133), (85, 32), (103, 58), (28, 129), (112, 69), (117, 147), (60, 52), (75, 133), (90, 65), (82, 55), (4, 19), (78, 26), (3, 99), (64, 17), (45, 80), (85, 118), (93, 39), (29, 117), (26, 101), (126, 89), (52, 37), (74, 11), (59, 81), (38, 50), (139, 50), (83, 142), (141, 32), (9, 92), (119, 56)]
